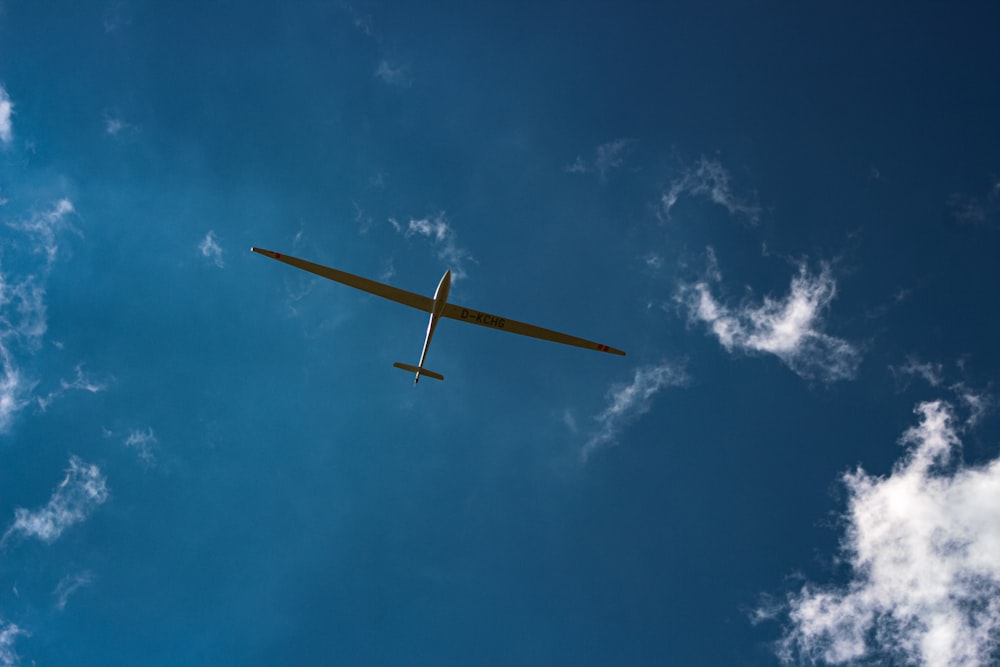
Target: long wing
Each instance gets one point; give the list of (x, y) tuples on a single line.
[(463, 314), (417, 301)]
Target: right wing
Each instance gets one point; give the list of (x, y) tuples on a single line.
[(463, 314), (410, 299)]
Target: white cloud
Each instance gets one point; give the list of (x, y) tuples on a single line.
[(82, 490), (364, 221), (81, 382), (923, 546), (69, 585), (789, 328), (932, 373), (23, 320), (22, 325), (115, 125), (607, 156), (709, 179), (43, 227), (14, 389), (626, 402), (982, 211), (144, 443), (394, 75), (363, 22), (442, 235), (979, 404), (211, 249), (8, 633), (6, 111)]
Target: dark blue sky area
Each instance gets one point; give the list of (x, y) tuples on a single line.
[(787, 215)]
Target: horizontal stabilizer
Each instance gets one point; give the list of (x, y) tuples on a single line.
[(419, 370)]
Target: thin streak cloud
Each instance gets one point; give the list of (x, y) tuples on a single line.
[(144, 443), (82, 490), (42, 227), (23, 312), (981, 211), (443, 237), (6, 112), (607, 156), (930, 372), (710, 180), (394, 75), (790, 328), (8, 634), (211, 249), (70, 584), (923, 546), (627, 402)]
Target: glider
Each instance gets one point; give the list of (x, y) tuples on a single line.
[(438, 307)]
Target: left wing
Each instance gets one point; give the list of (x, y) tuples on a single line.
[(463, 314), (410, 299)]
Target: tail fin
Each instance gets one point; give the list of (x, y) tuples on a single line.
[(419, 370)]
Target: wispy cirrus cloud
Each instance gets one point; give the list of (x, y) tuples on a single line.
[(363, 22), (144, 443), (930, 372), (394, 75), (8, 634), (14, 389), (607, 156), (977, 211), (441, 234), (70, 584), (43, 226), (22, 325), (709, 179), (116, 126), (23, 318), (790, 328), (6, 115), (978, 402), (210, 248), (923, 546), (82, 490), (626, 402), (81, 382)]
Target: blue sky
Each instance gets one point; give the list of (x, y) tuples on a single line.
[(788, 216)]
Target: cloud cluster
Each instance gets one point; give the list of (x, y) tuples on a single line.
[(923, 545), (789, 328), (708, 178), (442, 235), (608, 156), (930, 372), (82, 382), (983, 211), (42, 228), (70, 584), (394, 75), (626, 402), (6, 111), (143, 442), (82, 490), (211, 249), (23, 320), (8, 633)]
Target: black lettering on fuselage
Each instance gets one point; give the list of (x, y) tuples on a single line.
[(485, 319)]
